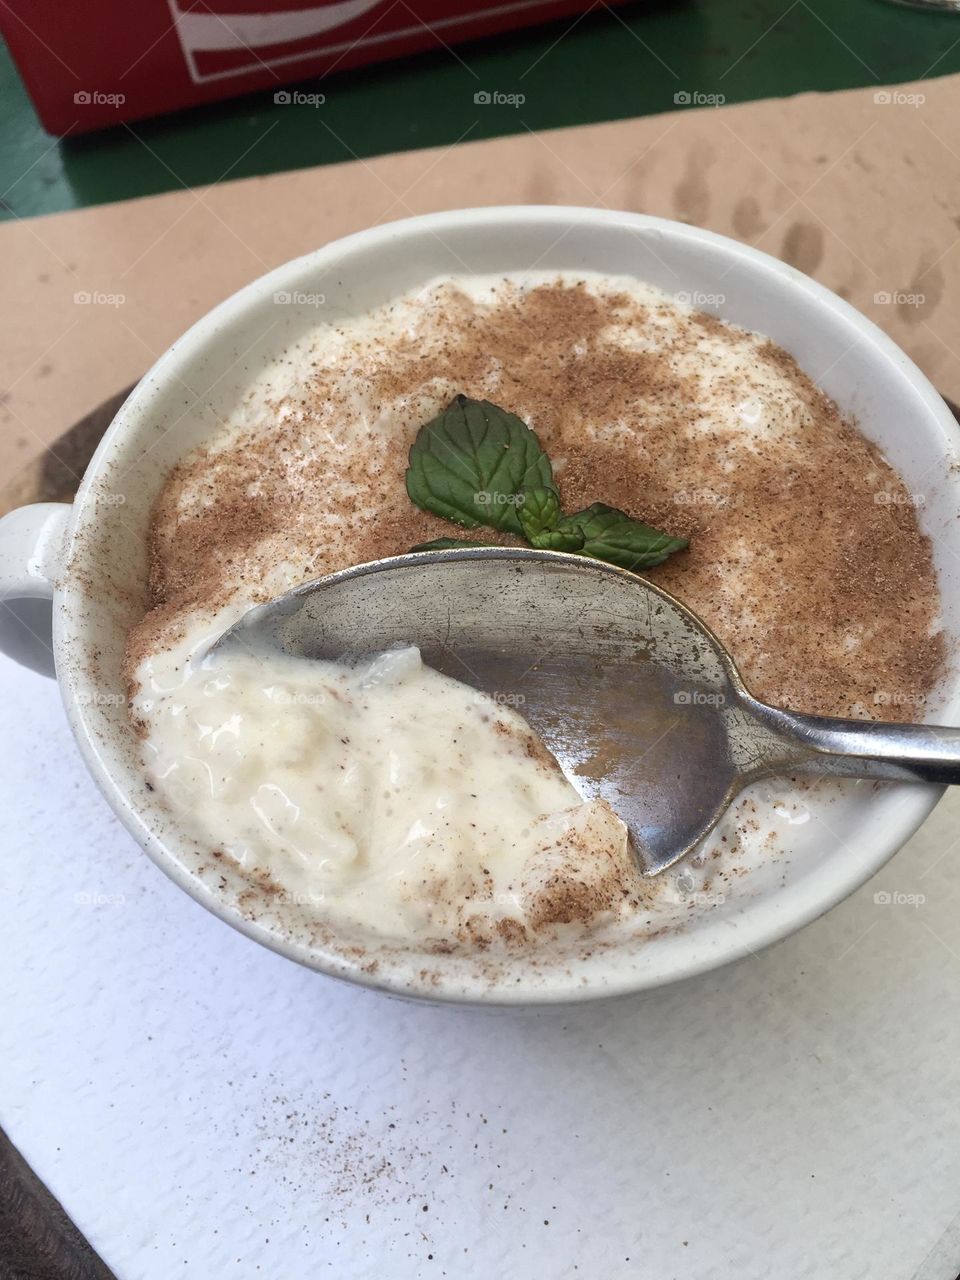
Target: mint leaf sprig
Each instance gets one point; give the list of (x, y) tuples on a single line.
[(471, 461), (477, 464)]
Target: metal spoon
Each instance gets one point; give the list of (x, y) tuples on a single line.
[(634, 695)]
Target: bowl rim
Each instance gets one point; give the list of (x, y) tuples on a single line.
[(755, 927)]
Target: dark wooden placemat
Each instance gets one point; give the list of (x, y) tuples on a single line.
[(37, 1239), (55, 474)]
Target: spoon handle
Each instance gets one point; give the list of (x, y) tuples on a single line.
[(861, 748)]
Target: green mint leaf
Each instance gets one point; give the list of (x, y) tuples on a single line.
[(539, 511), (470, 462), (477, 464), (449, 544), (613, 536), (558, 540)]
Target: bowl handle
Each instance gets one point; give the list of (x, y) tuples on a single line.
[(31, 546)]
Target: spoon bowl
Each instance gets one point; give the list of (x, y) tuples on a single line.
[(632, 693)]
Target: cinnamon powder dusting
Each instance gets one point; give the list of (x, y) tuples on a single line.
[(806, 555)]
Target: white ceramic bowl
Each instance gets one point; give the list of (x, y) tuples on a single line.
[(89, 559)]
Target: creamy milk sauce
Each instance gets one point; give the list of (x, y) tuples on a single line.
[(386, 793)]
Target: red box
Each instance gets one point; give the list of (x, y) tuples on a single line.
[(92, 63)]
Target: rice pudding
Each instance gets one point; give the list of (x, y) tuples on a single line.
[(805, 557)]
